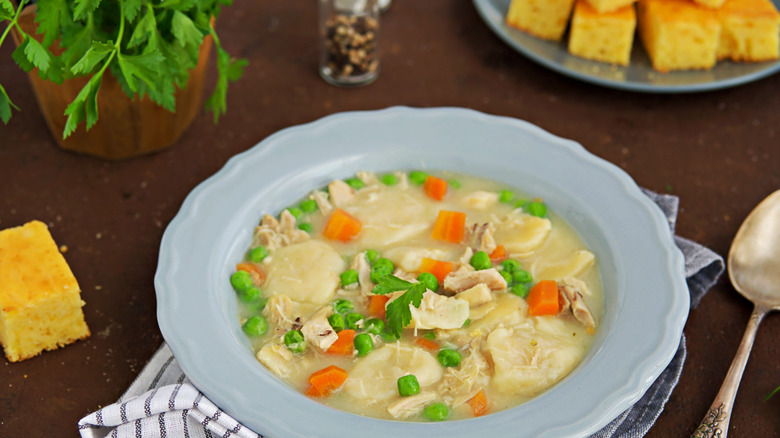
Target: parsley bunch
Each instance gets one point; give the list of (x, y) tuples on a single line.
[(399, 314), (149, 46)]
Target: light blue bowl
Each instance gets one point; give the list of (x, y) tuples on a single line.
[(646, 297)]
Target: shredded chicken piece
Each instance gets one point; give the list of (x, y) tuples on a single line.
[(277, 358), (436, 311), (402, 180), (574, 301), (407, 406), (321, 198), (360, 264), (480, 237), (318, 332), (461, 383), (476, 296), (274, 234), (279, 310), (461, 280), (403, 275), (340, 193), (368, 178)]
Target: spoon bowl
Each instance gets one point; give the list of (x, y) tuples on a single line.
[(754, 270)]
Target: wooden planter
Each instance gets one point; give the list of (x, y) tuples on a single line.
[(125, 128)]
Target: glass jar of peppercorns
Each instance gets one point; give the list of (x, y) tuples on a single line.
[(349, 30)]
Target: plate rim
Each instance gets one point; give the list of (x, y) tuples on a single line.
[(486, 9), (180, 342)]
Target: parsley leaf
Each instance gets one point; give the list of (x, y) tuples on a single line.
[(187, 35), (398, 312), (52, 16), (84, 8), (131, 8), (145, 27), (5, 106), (86, 101), (93, 57), (6, 10)]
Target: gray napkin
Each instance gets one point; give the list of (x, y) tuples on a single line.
[(162, 402)]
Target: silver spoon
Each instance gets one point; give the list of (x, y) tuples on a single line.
[(754, 269)]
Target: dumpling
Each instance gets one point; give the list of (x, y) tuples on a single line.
[(394, 217), (572, 266), (374, 377), (522, 233), (527, 361), (305, 272)]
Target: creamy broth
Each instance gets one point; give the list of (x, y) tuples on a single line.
[(505, 354)]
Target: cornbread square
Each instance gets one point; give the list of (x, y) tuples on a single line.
[(40, 302), (605, 37), (751, 30), (610, 5), (714, 4), (545, 19), (678, 34)]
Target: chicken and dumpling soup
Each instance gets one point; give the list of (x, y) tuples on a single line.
[(415, 297)]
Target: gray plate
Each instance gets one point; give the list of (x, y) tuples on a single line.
[(638, 76), (646, 297)]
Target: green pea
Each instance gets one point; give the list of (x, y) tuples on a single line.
[(510, 265), (375, 326), (507, 277), (536, 208), (388, 336), (342, 306), (429, 336), (352, 319), (250, 295), (241, 281), (455, 184), (520, 203), (389, 179), (294, 341), (305, 226), (355, 183), (417, 177), (363, 344), (372, 255), (408, 385), (466, 323), (308, 206), (295, 211), (505, 196), (449, 357), (255, 326), (522, 276), (257, 254), (436, 412), (521, 290), (429, 280), (348, 277), (381, 268), (481, 260), (337, 322)]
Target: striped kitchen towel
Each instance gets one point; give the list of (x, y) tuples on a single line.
[(162, 402)]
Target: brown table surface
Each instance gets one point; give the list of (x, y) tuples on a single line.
[(718, 151)]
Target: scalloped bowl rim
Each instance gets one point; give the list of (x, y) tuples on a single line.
[(646, 296)]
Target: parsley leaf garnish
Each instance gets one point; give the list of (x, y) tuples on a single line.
[(398, 313)]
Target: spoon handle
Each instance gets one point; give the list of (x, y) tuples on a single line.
[(716, 423)]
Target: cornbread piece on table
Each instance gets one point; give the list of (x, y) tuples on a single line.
[(610, 5), (751, 30), (545, 19), (40, 302), (678, 34), (605, 37), (714, 4)]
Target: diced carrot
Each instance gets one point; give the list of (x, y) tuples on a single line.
[(256, 272), (435, 188), (325, 381), (344, 344), (449, 226), (427, 344), (479, 404), (543, 298), (342, 226), (436, 267), (376, 305), (498, 254)]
